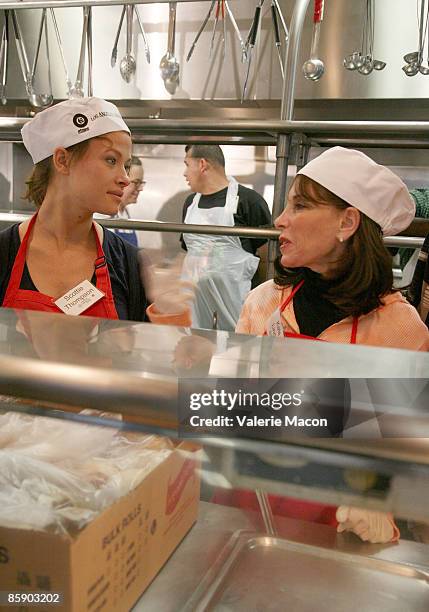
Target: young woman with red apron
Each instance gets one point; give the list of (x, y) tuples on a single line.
[(28, 299)]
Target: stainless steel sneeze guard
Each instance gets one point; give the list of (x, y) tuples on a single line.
[(133, 369)]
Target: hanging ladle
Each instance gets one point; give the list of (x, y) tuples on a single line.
[(314, 68), (414, 58), (128, 63)]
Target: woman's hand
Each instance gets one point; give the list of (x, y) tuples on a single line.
[(370, 526)]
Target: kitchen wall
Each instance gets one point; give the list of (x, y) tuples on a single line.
[(216, 77)]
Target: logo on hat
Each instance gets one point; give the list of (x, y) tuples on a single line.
[(80, 120)]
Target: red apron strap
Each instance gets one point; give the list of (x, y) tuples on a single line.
[(354, 331), (103, 279), (19, 263), (291, 295)]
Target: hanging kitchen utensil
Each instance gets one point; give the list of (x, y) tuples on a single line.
[(277, 39), (89, 48), (169, 66), (314, 68), (61, 50), (250, 44), (222, 9), (143, 33), (40, 100), (414, 59), (37, 100), (425, 69), (128, 63), (77, 89), (220, 14), (114, 55), (237, 30), (4, 57), (363, 61), (200, 31)]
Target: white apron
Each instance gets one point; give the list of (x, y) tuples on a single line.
[(221, 269)]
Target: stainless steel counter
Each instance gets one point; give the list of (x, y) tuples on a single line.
[(180, 577)]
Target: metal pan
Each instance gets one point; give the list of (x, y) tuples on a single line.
[(257, 572)]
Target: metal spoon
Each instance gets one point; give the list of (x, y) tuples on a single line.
[(128, 63), (169, 66), (77, 90), (314, 68)]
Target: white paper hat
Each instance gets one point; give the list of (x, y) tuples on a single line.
[(361, 182), (68, 123)]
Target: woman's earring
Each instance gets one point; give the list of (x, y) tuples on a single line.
[(341, 239)]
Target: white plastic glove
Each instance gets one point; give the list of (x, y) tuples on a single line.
[(370, 526), (167, 291)]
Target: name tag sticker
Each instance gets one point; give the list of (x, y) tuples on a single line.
[(274, 325), (79, 299)]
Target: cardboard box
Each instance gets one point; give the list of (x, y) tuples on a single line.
[(114, 558)]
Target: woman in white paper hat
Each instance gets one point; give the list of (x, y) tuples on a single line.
[(60, 260), (334, 282), (334, 277)]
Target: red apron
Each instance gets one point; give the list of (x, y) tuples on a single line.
[(285, 506), (28, 299), (293, 335)]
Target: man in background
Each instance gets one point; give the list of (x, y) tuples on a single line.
[(222, 267), (131, 194)]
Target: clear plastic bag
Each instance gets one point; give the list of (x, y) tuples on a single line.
[(59, 475)]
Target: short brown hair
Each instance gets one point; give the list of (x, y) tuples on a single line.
[(365, 274), (212, 153), (38, 181)]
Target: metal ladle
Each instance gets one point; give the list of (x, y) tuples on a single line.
[(379, 65), (368, 66), (411, 69), (169, 66), (128, 63), (314, 68)]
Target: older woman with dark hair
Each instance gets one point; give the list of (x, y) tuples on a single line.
[(334, 276)]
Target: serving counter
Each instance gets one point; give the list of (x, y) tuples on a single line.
[(188, 582), (55, 366)]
